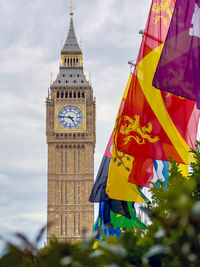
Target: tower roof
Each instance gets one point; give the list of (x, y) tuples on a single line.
[(71, 44), (71, 72)]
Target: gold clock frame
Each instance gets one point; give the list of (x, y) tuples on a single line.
[(59, 129)]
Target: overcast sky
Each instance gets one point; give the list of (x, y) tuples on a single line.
[(31, 34)]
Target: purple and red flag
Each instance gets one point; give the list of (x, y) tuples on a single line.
[(178, 70)]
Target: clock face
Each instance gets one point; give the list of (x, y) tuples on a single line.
[(70, 117)]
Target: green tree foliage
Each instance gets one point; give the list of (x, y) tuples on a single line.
[(172, 239)]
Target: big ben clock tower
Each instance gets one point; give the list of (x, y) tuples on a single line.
[(71, 136)]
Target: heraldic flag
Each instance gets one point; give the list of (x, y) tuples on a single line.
[(114, 215), (121, 188), (130, 192), (178, 70)]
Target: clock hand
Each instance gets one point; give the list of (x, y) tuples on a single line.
[(68, 117), (62, 116), (71, 118)]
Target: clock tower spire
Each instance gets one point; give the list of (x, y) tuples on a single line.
[(71, 137)]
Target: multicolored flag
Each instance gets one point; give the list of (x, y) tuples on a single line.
[(130, 191), (118, 186), (102, 223), (122, 214), (114, 217), (161, 169), (178, 70)]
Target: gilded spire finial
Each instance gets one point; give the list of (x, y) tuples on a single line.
[(71, 10), (51, 78), (90, 80), (81, 45)]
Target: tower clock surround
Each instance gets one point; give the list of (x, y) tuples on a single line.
[(67, 126), (70, 117), (71, 137)]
